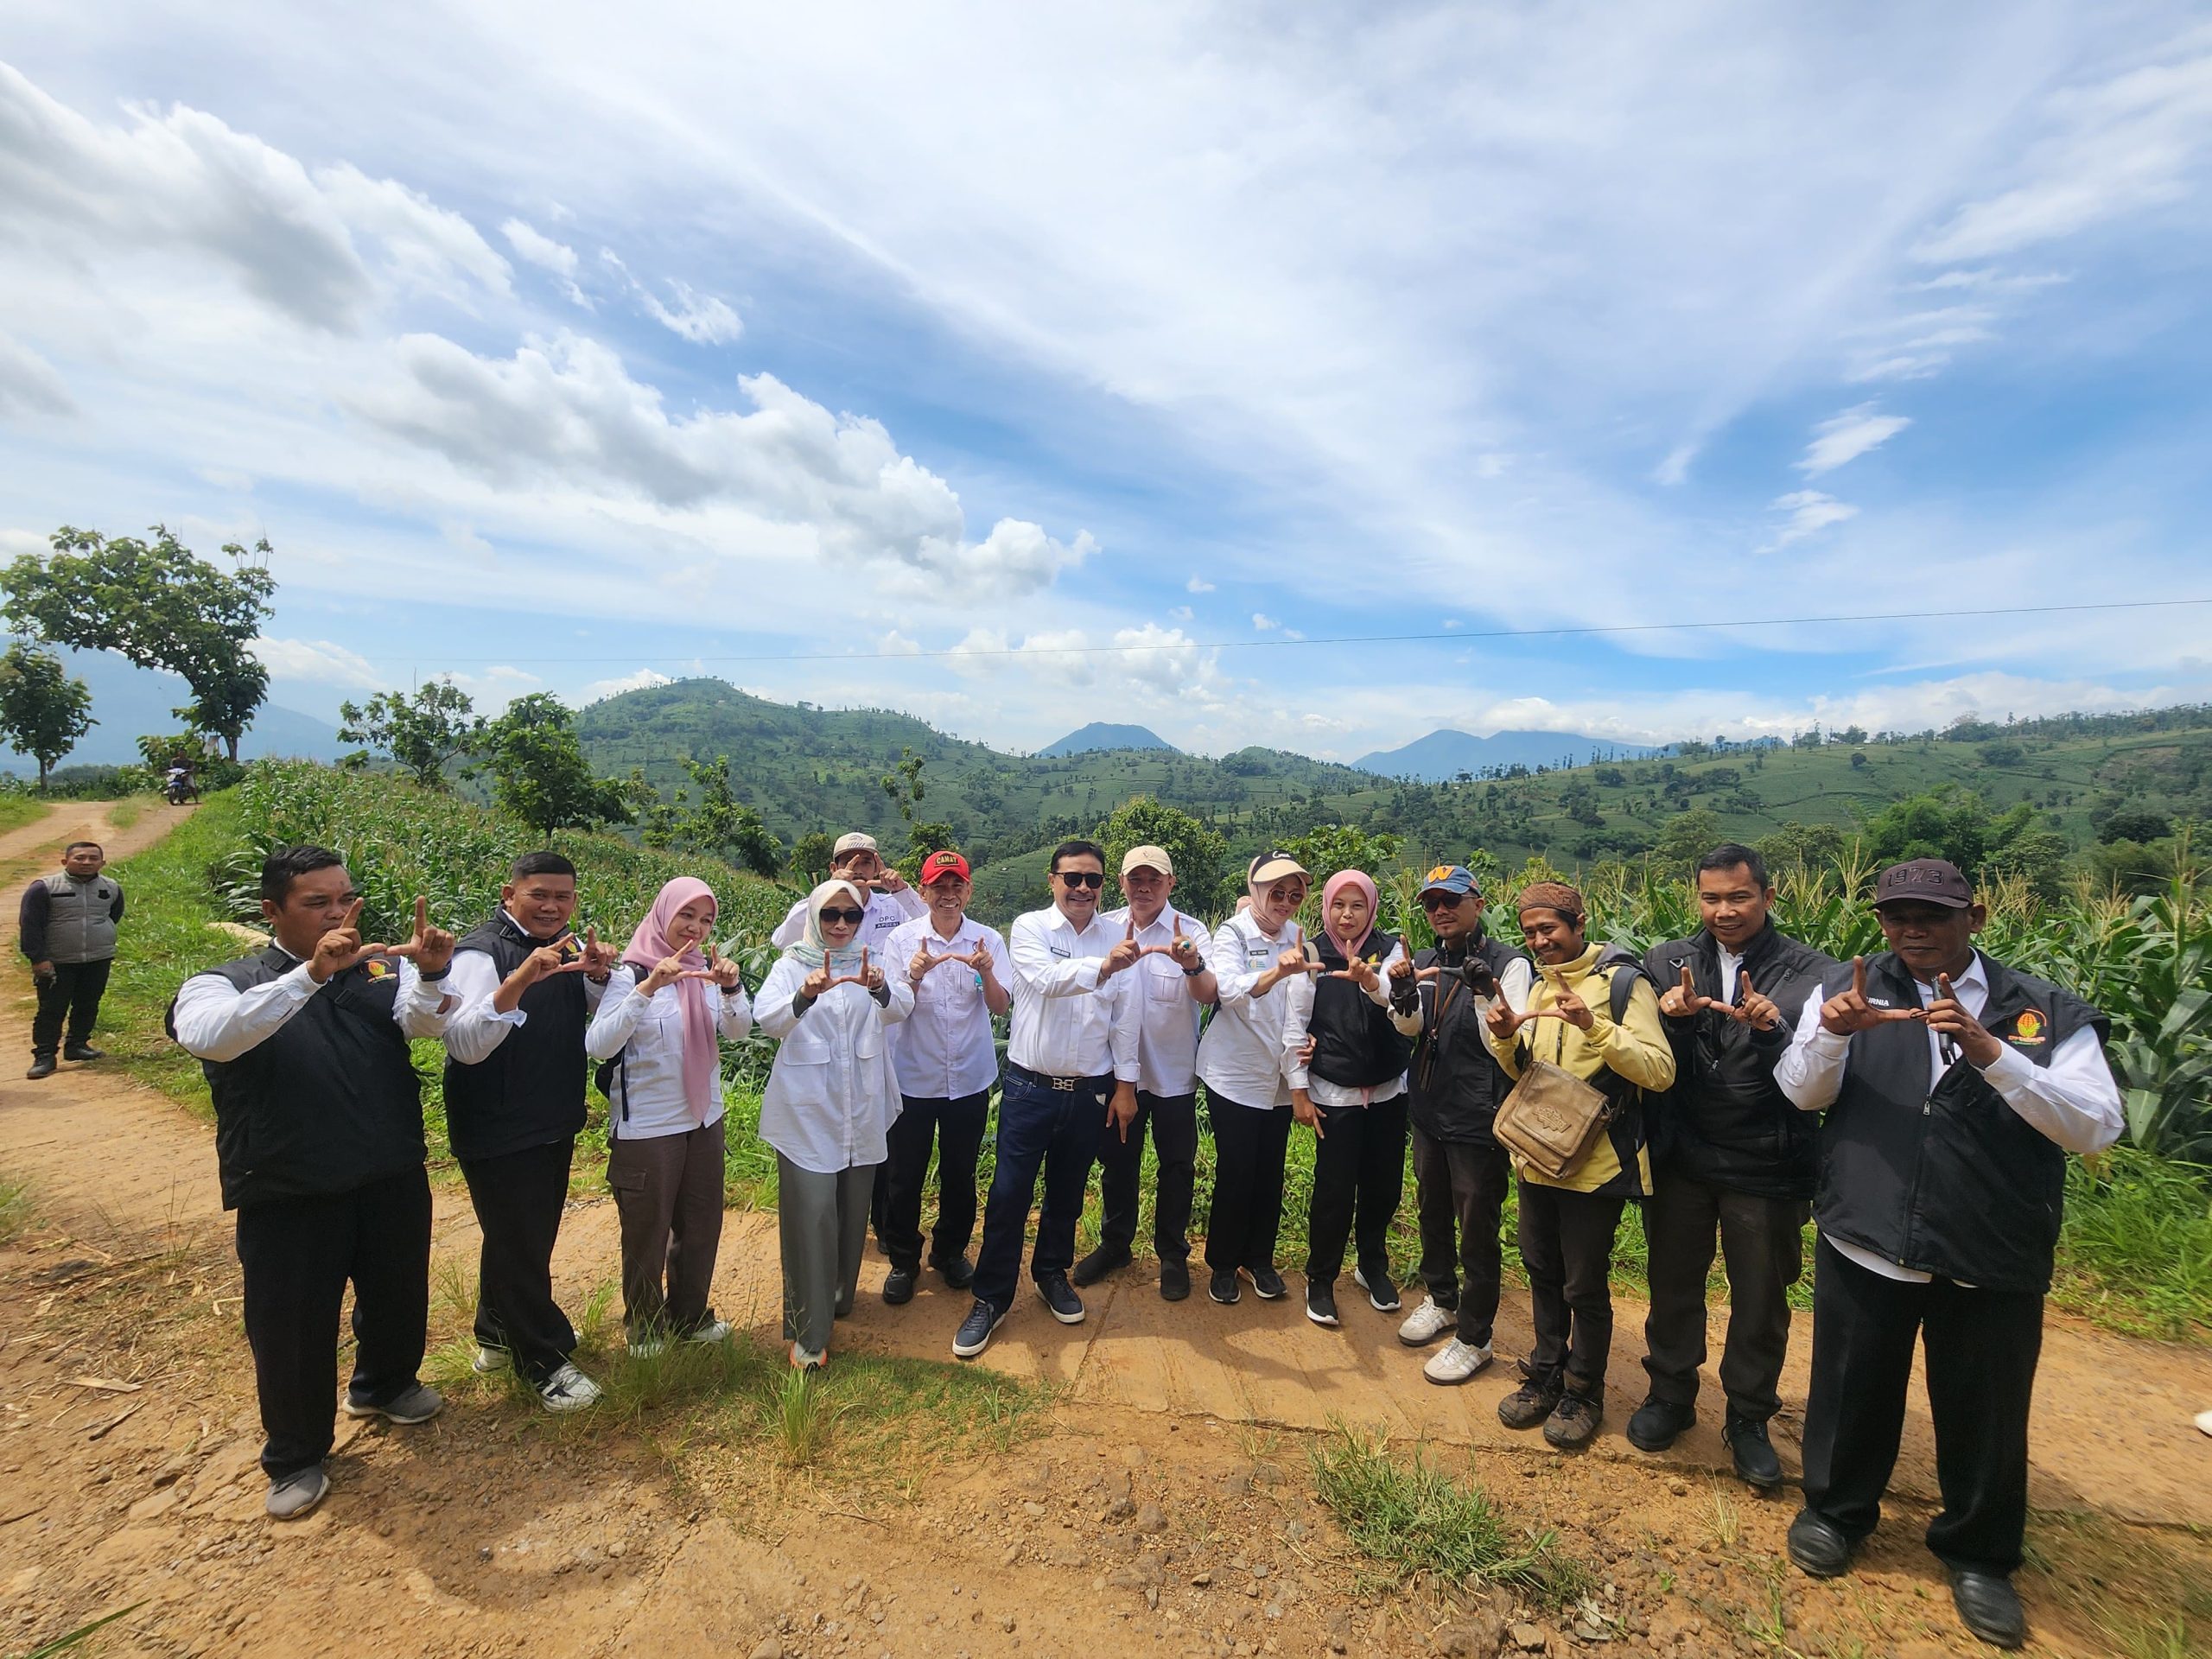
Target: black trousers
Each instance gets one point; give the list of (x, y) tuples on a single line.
[(956, 1128), (1459, 1189), (1360, 1175), (73, 988), (1762, 1243), (519, 1198), (1249, 1146), (1056, 1130), (297, 1255), (1981, 1347), (1566, 1246), (1174, 1120)]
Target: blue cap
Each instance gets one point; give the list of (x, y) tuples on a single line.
[(1450, 878)]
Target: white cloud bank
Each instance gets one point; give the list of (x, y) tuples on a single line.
[(1843, 438)]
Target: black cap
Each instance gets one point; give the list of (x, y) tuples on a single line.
[(1925, 881)]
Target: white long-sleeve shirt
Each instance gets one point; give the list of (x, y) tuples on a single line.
[(885, 910), (831, 1100), (944, 1049), (1168, 1015), (475, 1027), (649, 1100), (1297, 1019), (2073, 1102), (1240, 1058), (1067, 1021), (215, 1021)]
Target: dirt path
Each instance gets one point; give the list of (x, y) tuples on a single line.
[(493, 1530)]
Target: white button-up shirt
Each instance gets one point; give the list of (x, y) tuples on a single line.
[(649, 1097), (475, 1027), (217, 1021), (1067, 1021), (885, 910), (944, 1049), (1168, 1015), (1240, 1058), (830, 1102)]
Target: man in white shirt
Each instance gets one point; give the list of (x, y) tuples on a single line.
[(1071, 1065), (945, 1059), (1172, 984), (1955, 1087), (891, 902)]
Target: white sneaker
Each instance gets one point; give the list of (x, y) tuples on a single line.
[(567, 1390), (647, 1347), (1456, 1363), (1426, 1323), (489, 1362), (809, 1359), (712, 1330)]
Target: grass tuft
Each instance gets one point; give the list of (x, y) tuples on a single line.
[(16, 1209)]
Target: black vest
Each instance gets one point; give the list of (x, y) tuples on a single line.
[(530, 1090), (1453, 1083), (1939, 1175), (1355, 1045), (326, 1102)]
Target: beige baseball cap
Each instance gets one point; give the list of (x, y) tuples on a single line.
[(853, 840), (1148, 858)]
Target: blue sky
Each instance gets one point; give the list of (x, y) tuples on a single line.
[(885, 356)]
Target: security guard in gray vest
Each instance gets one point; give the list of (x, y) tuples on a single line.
[(68, 929)]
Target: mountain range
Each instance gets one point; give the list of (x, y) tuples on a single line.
[(130, 702), (1445, 754), (1101, 735)]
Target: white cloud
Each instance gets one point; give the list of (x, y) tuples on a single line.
[(533, 247), (1810, 513), (644, 679), (321, 660), (1180, 612), (1676, 467), (493, 688), (1199, 585), (700, 318), (1263, 622), (895, 644), (1843, 438), (28, 384)]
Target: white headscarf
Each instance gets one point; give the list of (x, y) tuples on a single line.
[(812, 949)]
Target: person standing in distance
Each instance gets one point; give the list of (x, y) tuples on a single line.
[(1730, 1155), (1071, 1065), (1174, 985), (515, 1075), (946, 1059), (66, 928), (319, 1143), (1953, 1087)]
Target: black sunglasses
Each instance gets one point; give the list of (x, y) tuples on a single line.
[(1441, 900), (1092, 878), (838, 913)]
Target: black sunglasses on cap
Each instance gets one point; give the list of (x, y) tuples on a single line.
[(842, 913), (1092, 878)]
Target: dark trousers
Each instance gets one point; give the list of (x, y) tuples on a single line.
[(956, 1128), (1762, 1243), (1459, 1188), (519, 1198), (1566, 1247), (668, 1191), (1248, 1145), (1360, 1175), (1174, 1120), (1982, 1347), (297, 1255), (1058, 1130), (73, 988)]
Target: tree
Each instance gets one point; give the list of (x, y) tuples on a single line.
[(715, 823), (159, 606), (903, 784), (423, 732), (1196, 850), (1328, 847), (810, 855), (924, 836), (1687, 837), (43, 711), (539, 773)]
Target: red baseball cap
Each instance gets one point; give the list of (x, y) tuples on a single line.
[(937, 865)]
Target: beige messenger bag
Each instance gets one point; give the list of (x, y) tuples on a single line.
[(1551, 1120)]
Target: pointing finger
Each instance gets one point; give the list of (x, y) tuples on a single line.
[(1943, 985), (1689, 987), (352, 919), (1858, 977), (1743, 981), (422, 914)]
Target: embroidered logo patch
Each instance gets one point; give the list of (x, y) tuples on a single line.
[(377, 967), (2028, 1031)]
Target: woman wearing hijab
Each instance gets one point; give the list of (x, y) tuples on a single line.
[(828, 1108), (1352, 1093), (658, 1032)]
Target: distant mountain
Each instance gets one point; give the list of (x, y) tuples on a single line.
[(131, 702), (1099, 735), (1445, 754)]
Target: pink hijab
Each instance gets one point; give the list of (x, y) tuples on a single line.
[(1335, 885), (702, 1054)]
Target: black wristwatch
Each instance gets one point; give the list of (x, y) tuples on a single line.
[(1193, 973)]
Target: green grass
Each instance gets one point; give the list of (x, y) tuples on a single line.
[(16, 810), (1410, 1514), (16, 1209), (2135, 1253)]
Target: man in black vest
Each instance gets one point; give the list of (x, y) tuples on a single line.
[(66, 928), (319, 1142), (515, 1072), (1730, 1155), (1955, 1087)]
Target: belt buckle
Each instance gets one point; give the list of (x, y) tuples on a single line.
[(1065, 1085)]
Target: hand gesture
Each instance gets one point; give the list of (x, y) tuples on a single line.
[(720, 969), (1362, 973), (666, 971), (1183, 950), (890, 880), (1569, 1006), (1849, 1011), (918, 964), (598, 960), (1947, 1015), (1681, 1001), (1295, 960), (979, 960), (546, 961), (1303, 1111), (431, 947), (1755, 1010), (339, 949), (1122, 955), (868, 979), (817, 984), (1402, 974)]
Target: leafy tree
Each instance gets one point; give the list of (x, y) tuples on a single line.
[(539, 773), (422, 731), (1328, 847), (2139, 827), (1812, 846), (903, 784), (159, 606), (715, 822), (810, 855), (1197, 850), (924, 836), (1687, 837), (43, 711)]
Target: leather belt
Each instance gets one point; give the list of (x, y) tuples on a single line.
[(1065, 1085)]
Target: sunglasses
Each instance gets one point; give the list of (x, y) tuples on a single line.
[(1441, 900), (1092, 878), (839, 914)]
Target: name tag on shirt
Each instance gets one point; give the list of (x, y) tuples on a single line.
[(1066, 955)]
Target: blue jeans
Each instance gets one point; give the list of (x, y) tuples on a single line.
[(1056, 1129)]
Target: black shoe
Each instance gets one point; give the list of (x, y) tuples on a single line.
[(1756, 1464), (959, 1273), (1060, 1297), (1382, 1294), (898, 1286), (1990, 1607), (1270, 1284), (1574, 1421), (1224, 1289), (1100, 1263), (1321, 1303), (42, 1066), (83, 1051), (1657, 1422), (1174, 1281), (1818, 1547), (1531, 1403), (975, 1333)]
